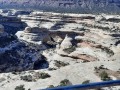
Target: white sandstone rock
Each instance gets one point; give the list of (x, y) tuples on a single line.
[(66, 43)]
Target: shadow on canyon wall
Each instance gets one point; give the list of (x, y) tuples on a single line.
[(12, 24)]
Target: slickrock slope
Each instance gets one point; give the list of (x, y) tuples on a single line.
[(54, 47)]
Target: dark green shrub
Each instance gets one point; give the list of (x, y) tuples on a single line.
[(41, 75), (27, 78), (101, 67), (21, 87), (60, 64), (69, 50), (15, 73), (51, 69), (86, 82), (104, 76), (51, 86), (65, 82)]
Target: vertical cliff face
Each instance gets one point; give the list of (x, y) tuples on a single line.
[(86, 6)]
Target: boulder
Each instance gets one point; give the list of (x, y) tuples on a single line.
[(66, 43)]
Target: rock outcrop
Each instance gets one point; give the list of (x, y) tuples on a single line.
[(34, 34), (66, 43), (12, 24)]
